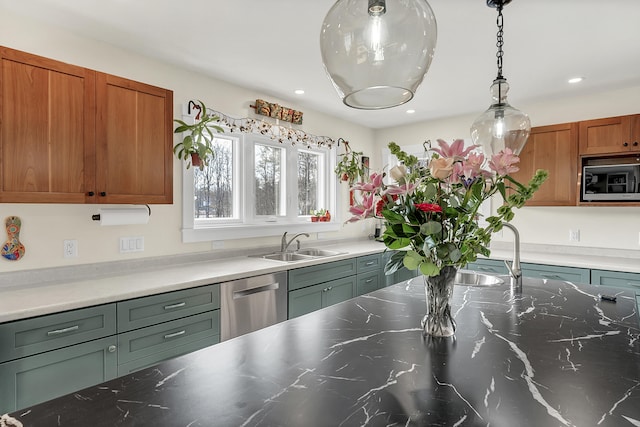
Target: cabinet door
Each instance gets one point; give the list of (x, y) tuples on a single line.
[(338, 290), (306, 276), (305, 300), (48, 129), (552, 272), (35, 379), (367, 263), (134, 139), (147, 346), (554, 148), (369, 282), (608, 136), (616, 279), (40, 334)]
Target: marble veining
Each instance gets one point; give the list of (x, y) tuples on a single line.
[(553, 355)]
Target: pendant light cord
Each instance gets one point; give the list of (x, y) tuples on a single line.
[(500, 40)]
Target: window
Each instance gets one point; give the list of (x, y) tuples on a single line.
[(255, 186)]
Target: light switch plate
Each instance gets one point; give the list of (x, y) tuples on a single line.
[(131, 244)]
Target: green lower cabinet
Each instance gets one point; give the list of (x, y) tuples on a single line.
[(552, 272), (369, 282), (151, 345), (312, 298), (38, 378), (617, 279)]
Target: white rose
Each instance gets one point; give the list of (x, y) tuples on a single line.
[(398, 173)]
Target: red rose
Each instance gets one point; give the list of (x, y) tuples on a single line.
[(382, 202), (428, 207)]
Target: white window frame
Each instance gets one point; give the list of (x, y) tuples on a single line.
[(250, 225)]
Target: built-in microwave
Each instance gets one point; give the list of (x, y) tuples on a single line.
[(618, 183)]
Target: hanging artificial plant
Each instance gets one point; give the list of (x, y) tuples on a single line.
[(349, 167), (196, 147)]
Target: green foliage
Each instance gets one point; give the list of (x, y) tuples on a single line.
[(349, 167), (198, 139)]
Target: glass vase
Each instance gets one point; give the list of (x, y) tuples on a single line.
[(438, 322)]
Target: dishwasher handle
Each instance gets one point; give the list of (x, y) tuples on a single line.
[(256, 290)]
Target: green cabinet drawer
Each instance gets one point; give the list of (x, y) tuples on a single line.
[(153, 339), (141, 312), (307, 276), (312, 298), (148, 346), (369, 282), (552, 272), (39, 334), (38, 378), (492, 266), (369, 263), (616, 279)]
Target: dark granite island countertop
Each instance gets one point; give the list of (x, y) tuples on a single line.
[(554, 355)]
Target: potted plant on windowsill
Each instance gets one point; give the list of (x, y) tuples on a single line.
[(349, 167), (196, 147)]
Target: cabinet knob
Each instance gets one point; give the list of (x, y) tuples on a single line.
[(625, 144), (111, 348), (91, 194), (635, 144), (103, 193)]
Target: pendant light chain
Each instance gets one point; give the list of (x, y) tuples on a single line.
[(500, 42)]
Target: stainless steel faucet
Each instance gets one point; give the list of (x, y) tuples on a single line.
[(514, 269), (284, 244)]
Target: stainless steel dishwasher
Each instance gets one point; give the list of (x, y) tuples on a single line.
[(252, 303)]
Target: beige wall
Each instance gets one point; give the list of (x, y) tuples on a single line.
[(600, 227), (45, 226)]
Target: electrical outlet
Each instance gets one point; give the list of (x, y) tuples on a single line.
[(131, 244), (70, 248), (574, 235)]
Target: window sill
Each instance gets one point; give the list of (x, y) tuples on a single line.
[(243, 231)]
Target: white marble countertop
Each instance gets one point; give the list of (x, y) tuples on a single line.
[(37, 293), (36, 298)]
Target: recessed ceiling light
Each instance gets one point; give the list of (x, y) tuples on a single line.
[(411, 111), (299, 92), (576, 80)]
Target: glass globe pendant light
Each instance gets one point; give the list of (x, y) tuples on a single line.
[(501, 126), (375, 52)]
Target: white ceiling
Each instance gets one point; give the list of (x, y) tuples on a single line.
[(272, 46)]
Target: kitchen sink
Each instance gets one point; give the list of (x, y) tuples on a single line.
[(285, 256), (299, 255), (317, 252), (470, 278)]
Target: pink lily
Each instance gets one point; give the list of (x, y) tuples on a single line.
[(504, 162), (455, 150), (365, 210), (374, 183)]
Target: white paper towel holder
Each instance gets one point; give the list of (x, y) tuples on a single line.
[(97, 217)]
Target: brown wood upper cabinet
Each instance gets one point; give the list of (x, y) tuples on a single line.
[(612, 135), (554, 148), (73, 135)]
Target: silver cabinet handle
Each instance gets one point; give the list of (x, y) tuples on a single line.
[(369, 263), (551, 276), (368, 281), (175, 334), (63, 330), (177, 305), (486, 269), (111, 348)]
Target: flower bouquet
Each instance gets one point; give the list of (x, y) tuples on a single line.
[(431, 209)]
